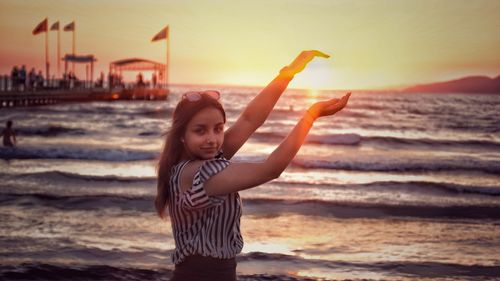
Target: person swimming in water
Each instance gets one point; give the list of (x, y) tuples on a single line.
[(8, 134)]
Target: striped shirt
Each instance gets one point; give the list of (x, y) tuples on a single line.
[(202, 224)]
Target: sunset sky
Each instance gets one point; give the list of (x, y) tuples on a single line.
[(373, 43)]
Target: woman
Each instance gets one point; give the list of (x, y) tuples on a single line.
[(199, 185)]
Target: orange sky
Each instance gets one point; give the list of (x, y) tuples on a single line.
[(374, 43)]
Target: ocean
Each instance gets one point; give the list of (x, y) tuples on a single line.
[(395, 187)]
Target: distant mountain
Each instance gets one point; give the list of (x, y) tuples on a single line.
[(471, 84)]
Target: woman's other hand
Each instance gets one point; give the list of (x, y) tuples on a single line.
[(329, 107)]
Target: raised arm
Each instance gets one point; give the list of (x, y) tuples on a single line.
[(259, 108), (240, 176)]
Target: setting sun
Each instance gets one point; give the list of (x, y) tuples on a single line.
[(319, 75)]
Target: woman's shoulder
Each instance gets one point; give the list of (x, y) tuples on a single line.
[(204, 169), (191, 166), (187, 173)]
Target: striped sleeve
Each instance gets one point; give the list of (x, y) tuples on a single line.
[(196, 197)]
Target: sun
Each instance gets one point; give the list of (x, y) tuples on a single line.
[(319, 75), (313, 94)]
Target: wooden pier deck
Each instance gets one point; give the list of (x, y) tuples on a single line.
[(47, 97)]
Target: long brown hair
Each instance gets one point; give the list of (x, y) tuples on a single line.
[(173, 147)]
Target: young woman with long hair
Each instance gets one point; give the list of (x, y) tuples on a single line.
[(199, 185)]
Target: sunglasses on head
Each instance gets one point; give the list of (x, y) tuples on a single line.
[(196, 96)]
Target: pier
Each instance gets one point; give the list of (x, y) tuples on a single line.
[(47, 97), (33, 91)]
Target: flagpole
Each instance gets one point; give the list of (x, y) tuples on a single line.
[(47, 55), (164, 34), (74, 42), (58, 52), (168, 57)]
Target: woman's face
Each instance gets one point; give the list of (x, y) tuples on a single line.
[(204, 134)]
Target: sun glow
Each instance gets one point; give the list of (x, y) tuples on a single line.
[(312, 95), (318, 75), (223, 43)]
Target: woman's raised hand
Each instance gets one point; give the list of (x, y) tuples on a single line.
[(329, 107), (301, 61)]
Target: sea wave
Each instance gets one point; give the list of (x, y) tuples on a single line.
[(257, 206), (356, 139), (49, 131), (157, 113), (402, 164), (399, 270), (75, 152), (66, 176), (79, 202), (346, 209), (389, 141), (338, 139), (150, 133), (397, 124), (369, 105), (363, 163), (425, 187), (63, 272)]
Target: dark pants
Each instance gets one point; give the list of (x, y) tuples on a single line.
[(197, 267)]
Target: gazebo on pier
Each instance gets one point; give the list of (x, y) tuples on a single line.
[(157, 91), (137, 64)]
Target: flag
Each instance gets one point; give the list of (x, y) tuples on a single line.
[(70, 26), (55, 26), (163, 34), (41, 27)]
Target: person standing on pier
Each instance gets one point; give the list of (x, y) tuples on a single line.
[(140, 80), (22, 78), (8, 134), (14, 78), (153, 80), (39, 80), (32, 79)]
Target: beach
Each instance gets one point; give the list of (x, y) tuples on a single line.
[(395, 187)]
